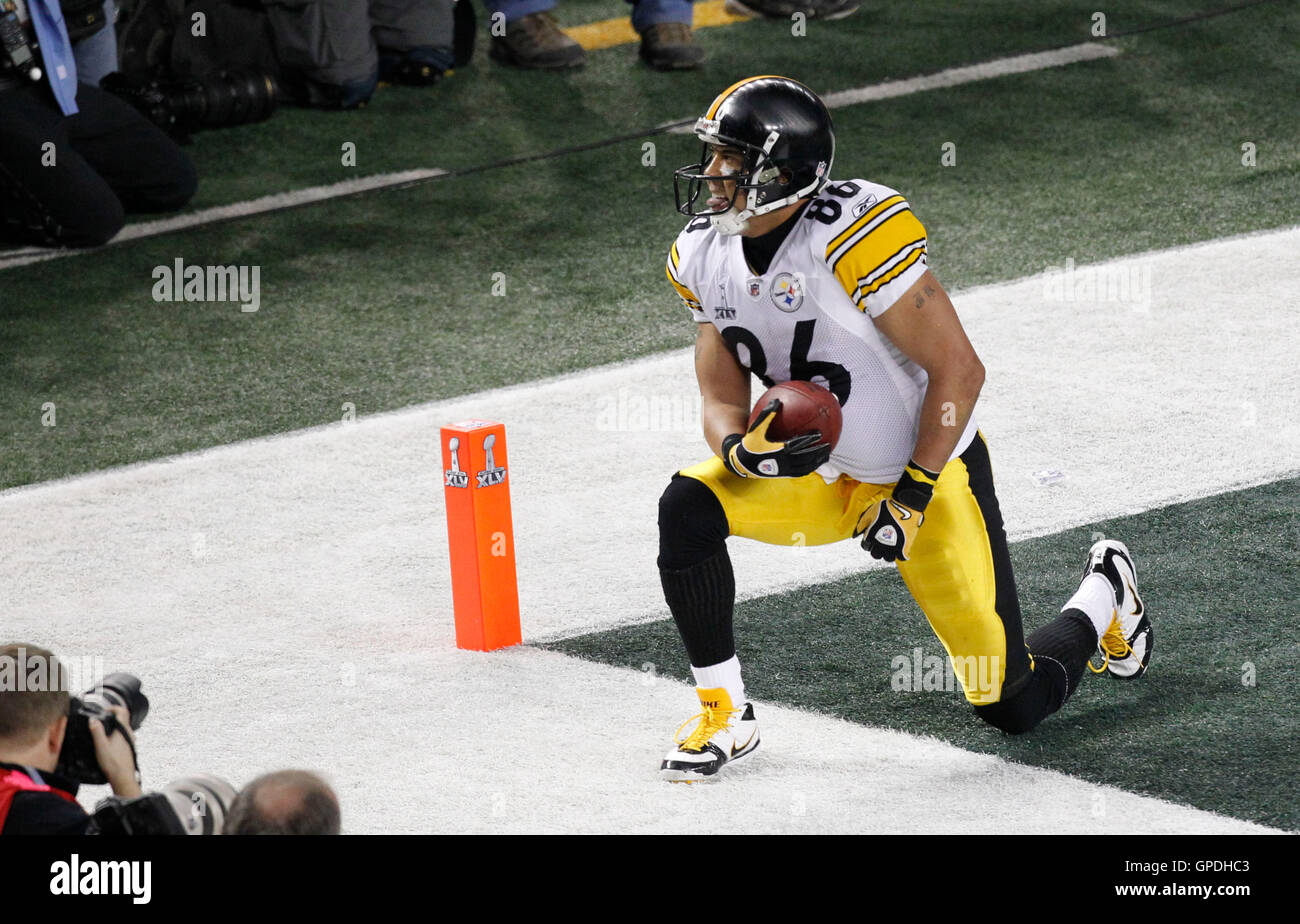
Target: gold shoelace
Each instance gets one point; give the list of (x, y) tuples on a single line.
[(1113, 645), (710, 720)]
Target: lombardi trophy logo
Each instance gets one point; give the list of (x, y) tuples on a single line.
[(491, 474), (454, 476)]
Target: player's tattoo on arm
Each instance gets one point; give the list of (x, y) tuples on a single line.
[(927, 292)]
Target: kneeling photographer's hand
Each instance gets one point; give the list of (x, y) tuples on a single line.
[(115, 754)]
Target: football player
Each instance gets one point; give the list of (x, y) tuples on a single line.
[(789, 274)]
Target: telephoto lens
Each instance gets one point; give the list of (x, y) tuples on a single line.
[(223, 99), (197, 804), (183, 106)]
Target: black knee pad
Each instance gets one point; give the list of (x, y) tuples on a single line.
[(692, 524)]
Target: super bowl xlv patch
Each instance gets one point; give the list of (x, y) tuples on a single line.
[(491, 474), (455, 478), (787, 291), (725, 311)]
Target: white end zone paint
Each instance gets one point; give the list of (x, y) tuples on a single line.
[(430, 739), (287, 599), (272, 203)]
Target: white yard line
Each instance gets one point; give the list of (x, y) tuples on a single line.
[(272, 203), (955, 76), (287, 599)]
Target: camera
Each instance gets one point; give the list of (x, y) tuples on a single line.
[(197, 804), (77, 760), (183, 105)]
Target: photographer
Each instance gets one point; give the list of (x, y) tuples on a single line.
[(285, 802), (74, 159), (34, 799)]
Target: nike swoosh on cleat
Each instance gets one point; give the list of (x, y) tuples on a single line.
[(736, 750), (1136, 598)]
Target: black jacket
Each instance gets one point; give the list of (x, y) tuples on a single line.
[(44, 812)]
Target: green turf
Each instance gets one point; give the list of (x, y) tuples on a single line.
[(386, 300), (1222, 592), (488, 112)]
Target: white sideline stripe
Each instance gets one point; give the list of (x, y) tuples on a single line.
[(300, 578), (955, 76), (143, 229)]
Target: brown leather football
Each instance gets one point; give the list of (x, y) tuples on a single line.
[(804, 407)]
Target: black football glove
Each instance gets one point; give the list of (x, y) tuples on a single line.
[(753, 455), (891, 525)]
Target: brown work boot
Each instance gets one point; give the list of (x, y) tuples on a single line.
[(668, 46), (535, 41)]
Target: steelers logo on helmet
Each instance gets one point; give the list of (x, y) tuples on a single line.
[(782, 133)]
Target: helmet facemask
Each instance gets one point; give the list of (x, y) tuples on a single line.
[(761, 186)]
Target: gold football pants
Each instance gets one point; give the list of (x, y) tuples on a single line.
[(959, 572)]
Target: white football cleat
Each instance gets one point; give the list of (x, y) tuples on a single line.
[(1126, 645), (723, 734)]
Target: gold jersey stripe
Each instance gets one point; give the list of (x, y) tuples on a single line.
[(872, 253), (897, 271), (687, 295), (888, 264), (864, 220), (674, 268), (897, 210)]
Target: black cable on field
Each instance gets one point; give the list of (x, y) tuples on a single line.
[(528, 158)]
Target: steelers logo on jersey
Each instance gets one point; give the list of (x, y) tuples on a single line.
[(787, 292)]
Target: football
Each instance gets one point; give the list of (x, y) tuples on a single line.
[(804, 407)]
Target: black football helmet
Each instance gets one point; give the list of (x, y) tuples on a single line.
[(785, 132)]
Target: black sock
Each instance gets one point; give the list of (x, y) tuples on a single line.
[(1068, 641), (696, 571), (1060, 650), (702, 599)]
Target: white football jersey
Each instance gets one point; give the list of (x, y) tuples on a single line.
[(855, 249)]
